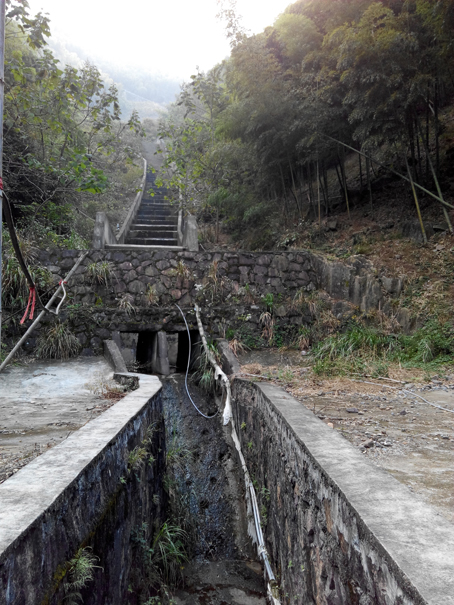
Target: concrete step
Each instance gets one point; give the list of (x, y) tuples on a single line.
[(156, 226), (157, 218), (142, 247), (152, 233), (152, 241)]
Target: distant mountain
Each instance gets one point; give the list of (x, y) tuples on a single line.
[(146, 91)]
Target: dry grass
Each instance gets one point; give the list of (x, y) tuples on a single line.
[(304, 383), (237, 346)]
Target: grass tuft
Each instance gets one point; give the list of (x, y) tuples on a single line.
[(57, 342), (371, 349)]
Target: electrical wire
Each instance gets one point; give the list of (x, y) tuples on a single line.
[(387, 386), (187, 369), (8, 214)]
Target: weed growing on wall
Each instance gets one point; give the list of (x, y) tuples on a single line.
[(237, 346), (101, 273), (162, 559), (204, 375), (125, 304), (57, 342), (80, 574), (151, 295)]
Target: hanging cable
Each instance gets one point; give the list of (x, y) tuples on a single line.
[(187, 369), (33, 296), (387, 386)]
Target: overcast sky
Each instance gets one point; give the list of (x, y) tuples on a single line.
[(171, 36)]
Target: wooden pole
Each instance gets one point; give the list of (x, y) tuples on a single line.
[(374, 161), (415, 195)]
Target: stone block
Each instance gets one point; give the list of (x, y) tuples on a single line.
[(119, 287), (113, 356), (172, 346), (130, 276), (393, 285), (260, 270), (126, 266), (151, 272), (264, 259), (136, 287), (294, 267), (280, 262), (82, 338), (160, 355), (246, 260)]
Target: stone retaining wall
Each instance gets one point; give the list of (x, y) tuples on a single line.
[(180, 276), (340, 531), (232, 289)]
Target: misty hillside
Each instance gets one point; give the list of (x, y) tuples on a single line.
[(146, 91)]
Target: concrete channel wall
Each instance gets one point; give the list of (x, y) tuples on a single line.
[(87, 491), (340, 531)]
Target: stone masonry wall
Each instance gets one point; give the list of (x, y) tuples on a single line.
[(339, 530), (232, 289), (179, 276)]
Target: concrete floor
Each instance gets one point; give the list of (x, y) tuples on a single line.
[(42, 403)]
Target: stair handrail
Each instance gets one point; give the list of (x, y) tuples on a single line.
[(134, 207)]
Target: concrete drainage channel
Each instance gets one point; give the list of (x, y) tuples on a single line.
[(338, 530)]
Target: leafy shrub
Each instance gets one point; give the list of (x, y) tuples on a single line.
[(80, 573)]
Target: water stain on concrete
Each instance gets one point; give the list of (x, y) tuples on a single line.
[(42, 403)]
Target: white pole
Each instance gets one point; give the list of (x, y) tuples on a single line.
[(2, 90)]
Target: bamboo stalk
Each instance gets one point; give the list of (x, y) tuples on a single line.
[(436, 197), (434, 174), (415, 195)]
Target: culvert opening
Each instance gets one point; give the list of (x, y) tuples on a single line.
[(144, 352), (183, 350), (164, 353)]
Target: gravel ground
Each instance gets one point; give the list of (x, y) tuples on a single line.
[(386, 421)]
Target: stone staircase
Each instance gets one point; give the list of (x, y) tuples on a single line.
[(156, 221)]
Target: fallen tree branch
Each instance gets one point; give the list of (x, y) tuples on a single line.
[(218, 373)]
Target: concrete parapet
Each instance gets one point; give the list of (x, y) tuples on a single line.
[(133, 209), (103, 233), (190, 234)]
